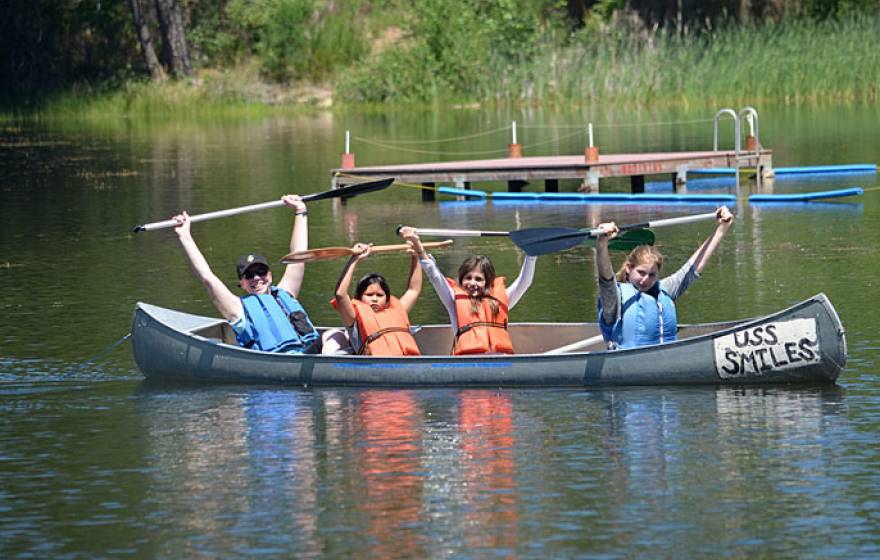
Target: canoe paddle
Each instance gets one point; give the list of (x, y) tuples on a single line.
[(625, 241), (541, 241), (326, 253), (346, 192)]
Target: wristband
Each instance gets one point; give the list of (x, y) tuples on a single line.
[(303, 213)]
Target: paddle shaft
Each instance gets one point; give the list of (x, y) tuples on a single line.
[(460, 233), (576, 345), (660, 223), (592, 233), (326, 253), (333, 193), (211, 215), (621, 242), (404, 247)]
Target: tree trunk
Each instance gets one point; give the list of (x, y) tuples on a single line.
[(174, 46), (745, 11), (157, 73)]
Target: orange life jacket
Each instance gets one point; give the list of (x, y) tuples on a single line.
[(481, 333), (385, 332)]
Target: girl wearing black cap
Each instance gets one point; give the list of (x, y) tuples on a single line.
[(269, 317)]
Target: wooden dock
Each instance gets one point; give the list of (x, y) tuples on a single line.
[(520, 171)]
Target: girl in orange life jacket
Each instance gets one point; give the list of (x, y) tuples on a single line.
[(377, 323), (478, 302)]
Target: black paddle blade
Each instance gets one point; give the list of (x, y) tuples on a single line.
[(351, 190), (629, 240), (542, 241)]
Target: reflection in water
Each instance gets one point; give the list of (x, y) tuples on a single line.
[(281, 449), (489, 465), (402, 474), (390, 467), (688, 461), (405, 471), (244, 462)]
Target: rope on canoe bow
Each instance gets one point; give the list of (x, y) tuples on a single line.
[(103, 352)]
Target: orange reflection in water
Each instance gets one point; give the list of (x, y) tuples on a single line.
[(390, 465), (487, 442)]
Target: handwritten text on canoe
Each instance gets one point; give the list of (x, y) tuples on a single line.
[(776, 346)]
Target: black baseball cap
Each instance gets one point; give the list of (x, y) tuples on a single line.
[(249, 260)]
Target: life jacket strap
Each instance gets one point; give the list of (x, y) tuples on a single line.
[(376, 335), (470, 326)]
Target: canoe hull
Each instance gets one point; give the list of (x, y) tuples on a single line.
[(802, 344)]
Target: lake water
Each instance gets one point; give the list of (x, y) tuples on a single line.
[(94, 463)]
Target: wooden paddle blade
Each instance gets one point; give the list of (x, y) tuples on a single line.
[(310, 255), (351, 190), (542, 241)]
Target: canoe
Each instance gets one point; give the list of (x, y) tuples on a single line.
[(802, 344)]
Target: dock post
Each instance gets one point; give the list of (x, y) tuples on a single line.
[(514, 150), (348, 157), (428, 195), (591, 152), (460, 183), (591, 182), (551, 185), (637, 184), (679, 179), (516, 185)]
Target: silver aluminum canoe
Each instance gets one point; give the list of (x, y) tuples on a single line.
[(804, 344)]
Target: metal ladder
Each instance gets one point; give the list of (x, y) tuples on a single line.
[(750, 114)]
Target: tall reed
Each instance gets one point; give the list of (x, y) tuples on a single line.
[(794, 61)]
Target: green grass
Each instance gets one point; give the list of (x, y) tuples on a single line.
[(230, 93)]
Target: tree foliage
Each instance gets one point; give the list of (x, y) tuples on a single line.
[(440, 45)]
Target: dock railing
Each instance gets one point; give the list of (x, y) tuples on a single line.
[(753, 140)]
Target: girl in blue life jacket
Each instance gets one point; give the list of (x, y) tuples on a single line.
[(635, 309), (268, 317)]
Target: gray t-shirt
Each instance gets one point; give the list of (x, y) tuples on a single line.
[(675, 285)]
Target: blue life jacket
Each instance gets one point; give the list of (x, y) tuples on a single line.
[(276, 322), (644, 318)]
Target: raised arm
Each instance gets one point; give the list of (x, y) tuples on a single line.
[(518, 287), (608, 294), (299, 241), (603, 258), (227, 303), (414, 287), (343, 301), (704, 252), (438, 281)]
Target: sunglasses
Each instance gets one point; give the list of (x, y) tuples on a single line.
[(255, 271)]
